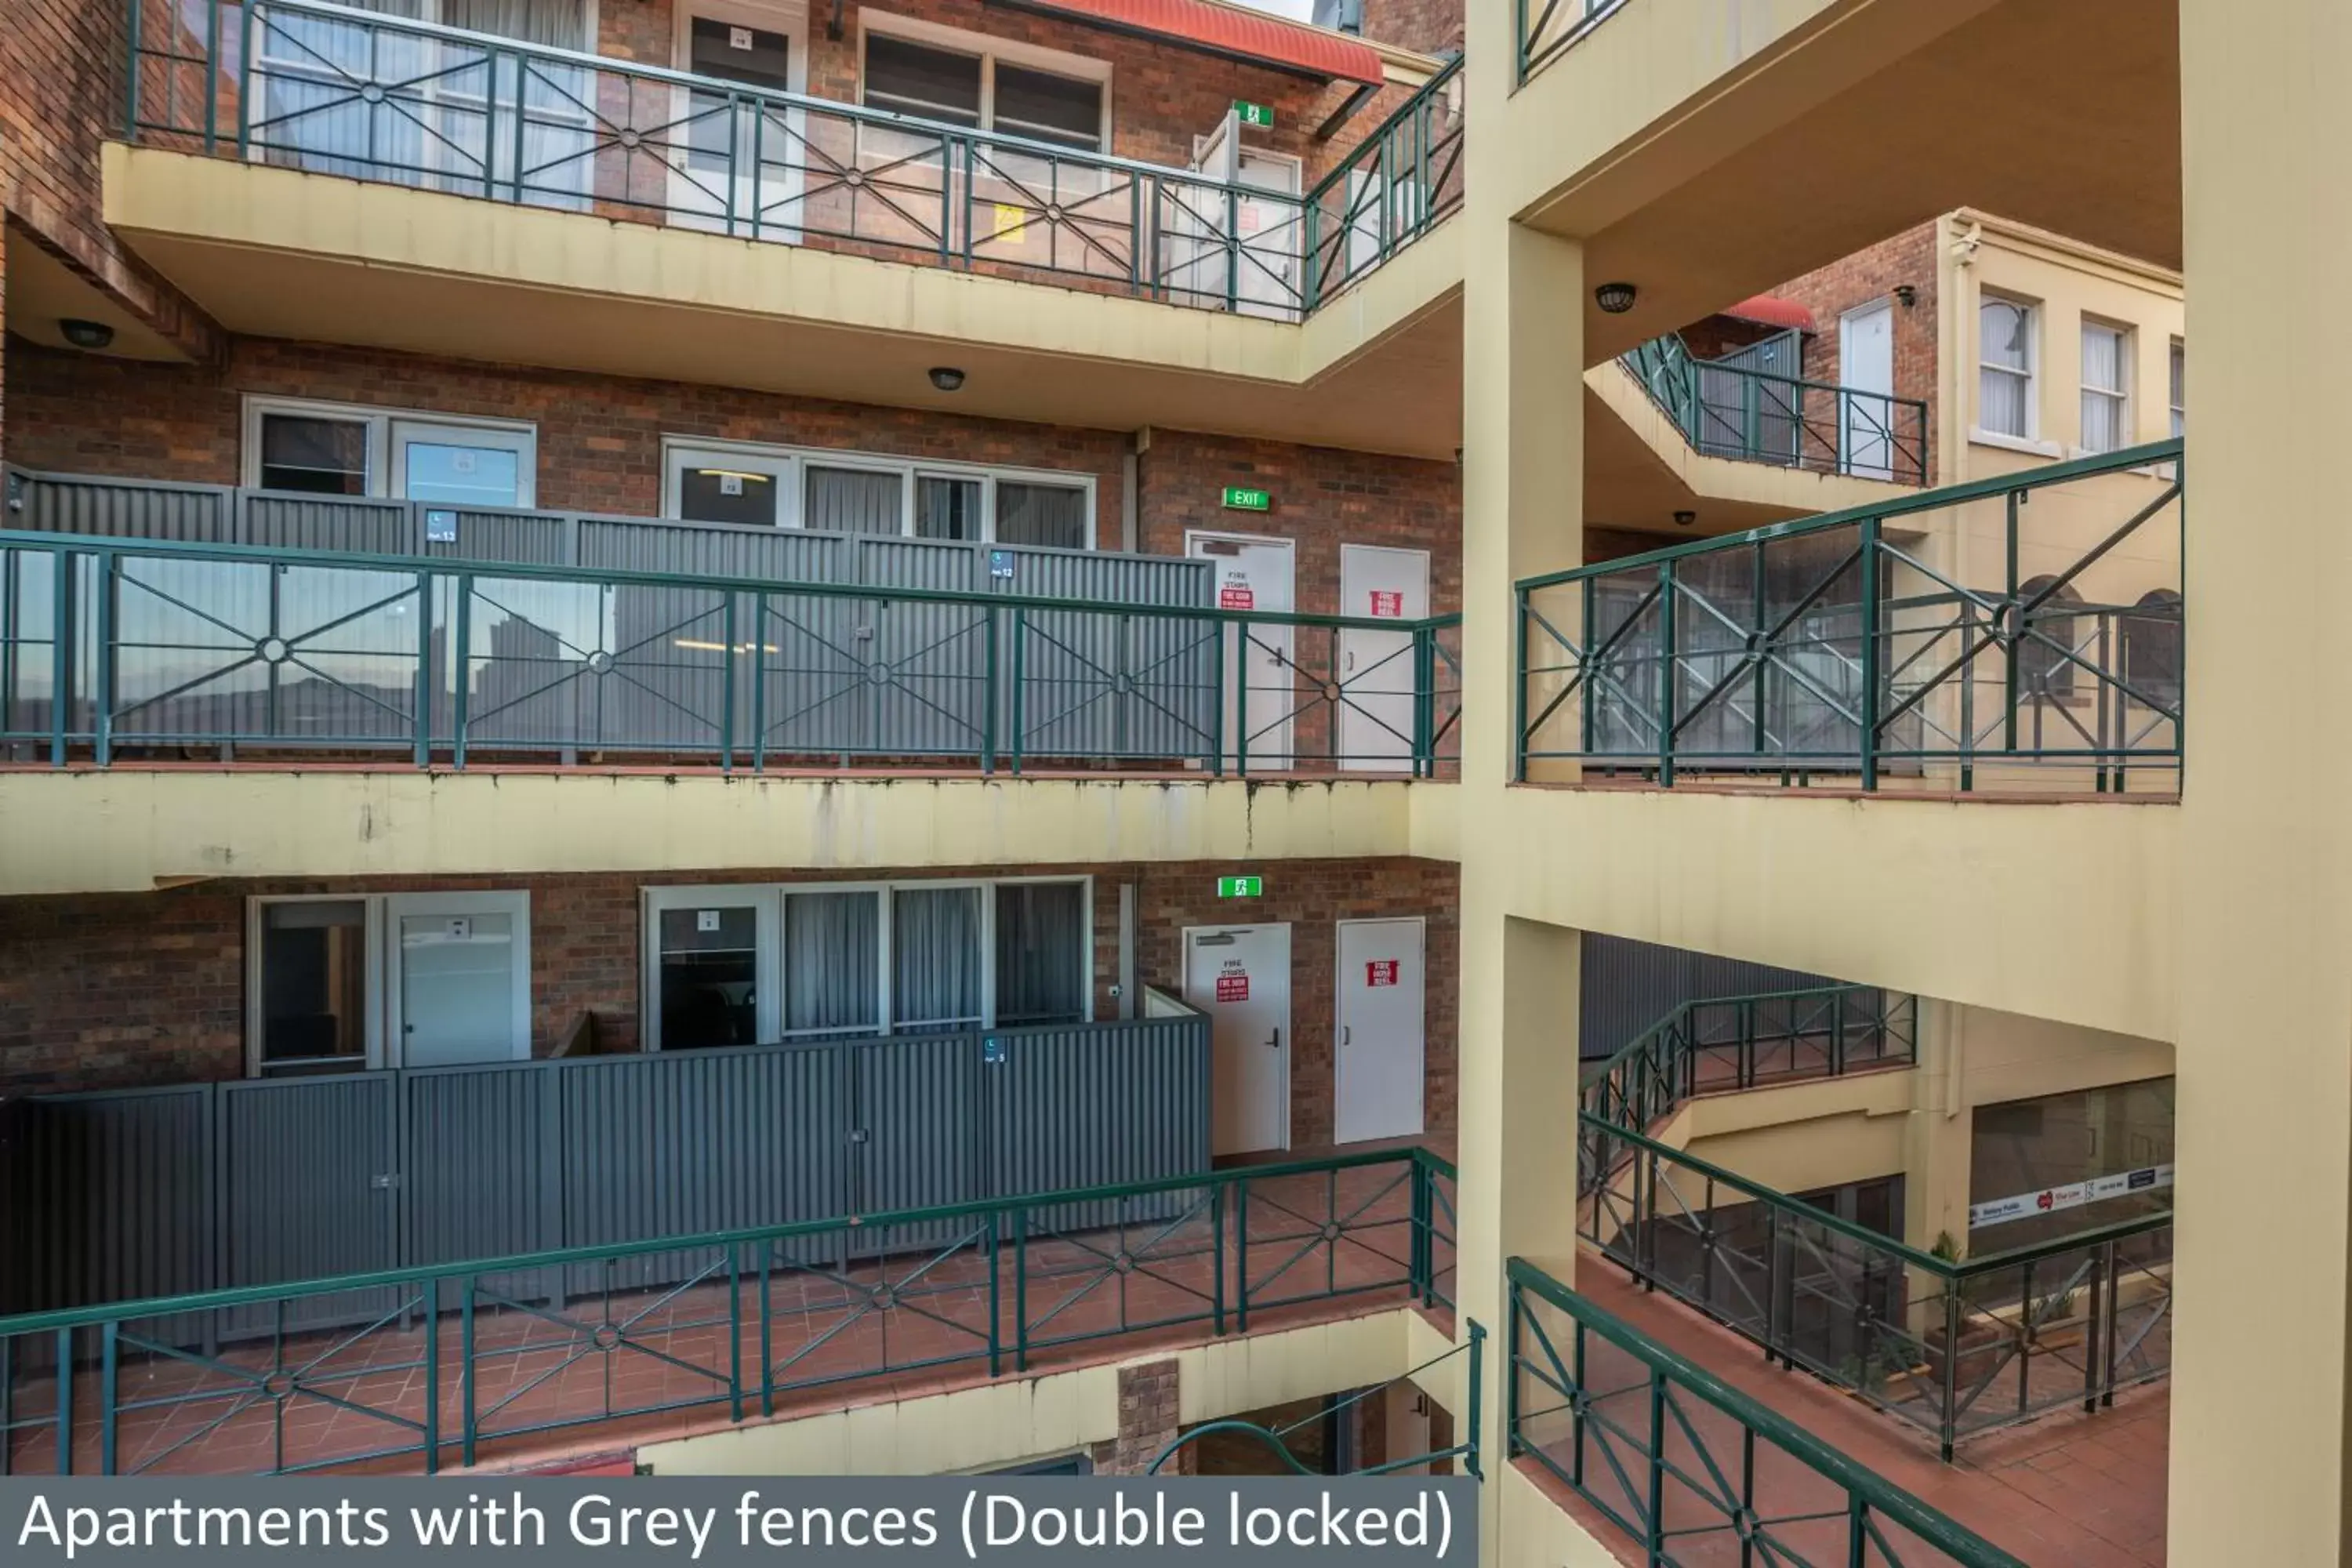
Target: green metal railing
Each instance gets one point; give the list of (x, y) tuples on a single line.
[(357, 93), (1692, 1469), (1954, 1347), (1732, 1043), (1399, 183), (1758, 416), (1940, 641), (1274, 1441), (420, 1361), (108, 646), (1547, 28)]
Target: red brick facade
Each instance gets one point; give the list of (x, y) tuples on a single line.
[(1908, 259), (111, 989)]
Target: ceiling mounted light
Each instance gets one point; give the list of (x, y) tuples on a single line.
[(1614, 298), (86, 334), (1684, 519), (947, 378)]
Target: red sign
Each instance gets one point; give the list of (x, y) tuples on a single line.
[(1380, 972), (1236, 599), (1234, 986), (1386, 603)]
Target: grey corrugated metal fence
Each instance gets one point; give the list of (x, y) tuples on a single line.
[(159, 1192)]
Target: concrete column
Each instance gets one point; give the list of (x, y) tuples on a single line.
[(1936, 1142), (2263, 1304)]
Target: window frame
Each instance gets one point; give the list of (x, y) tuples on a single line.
[(989, 49), (678, 451), (768, 898), (379, 932), (2126, 347), (2031, 376), (2176, 391), (379, 421)]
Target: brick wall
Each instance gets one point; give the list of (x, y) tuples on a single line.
[(112, 990), (1311, 896), (1322, 499), (1430, 26), (1147, 1423), (1867, 275), (1161, 95), (599, 436)]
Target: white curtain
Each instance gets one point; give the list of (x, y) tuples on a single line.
[(855, 500), (833, 965), (2103, 381), (1041, 953), (935, 960), (2005, 382)]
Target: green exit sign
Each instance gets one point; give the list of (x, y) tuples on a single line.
[(1254, 113), (1240, 500), (1241, 886)]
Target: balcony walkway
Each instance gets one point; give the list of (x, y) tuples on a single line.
[(917, 1322), (2069, 1490)]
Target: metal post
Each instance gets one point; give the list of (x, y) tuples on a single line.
[(1654, 1518), (102, 699), (64, 1401), (1217, 1256), (1020, 696), (424, 684), (1241, 1254), (1948, 1419), (759, 685), (432, 1375), (1665, 674), (995, 1295), (1020, 1289), (1471, 1461), (466, 1369), (245, 87), (108, 1387), (988, 692), (767, 1335), (2012, 627), (464, 680), (61, 651), (726, 695), (1871, 662), (734, 1328)]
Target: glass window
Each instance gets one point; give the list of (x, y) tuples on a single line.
[(831, 964), (1053, 515), (947, 508), (2005, 374), (915, 78), (314, 986), (463, 475), (2026, 1148), (2106, 371), (314, 454), (2151, 634), (726, 495), (935, 960), (855, 500), (1041, 952), (708, 963), (2179, 389), (1048, 107)]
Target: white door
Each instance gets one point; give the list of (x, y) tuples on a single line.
[(1260, 682), (462, 466), (738, 167), (1240, 977), (1269, 227), (1866, 369), (1377, 667), (1379, 1019), (461, 972)]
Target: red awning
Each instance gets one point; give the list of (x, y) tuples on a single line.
[(1773, 312), (1226, 30)]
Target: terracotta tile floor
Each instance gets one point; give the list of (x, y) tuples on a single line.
[(2068, 1490), (614, 1360)]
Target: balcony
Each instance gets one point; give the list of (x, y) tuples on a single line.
[(1754, 416), (2020, 634), (490, 1359), (327, 175), (139, 621)]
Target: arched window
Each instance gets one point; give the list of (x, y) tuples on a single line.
[(2152, 647), (2051, 625)]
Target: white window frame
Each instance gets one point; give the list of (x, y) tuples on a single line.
[(2127, 346), (381, 940), (520, 436), (1033, 56), (791, 478), (2029, 439), (768, 898)]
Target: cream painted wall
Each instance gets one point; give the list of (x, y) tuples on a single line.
[(127, 830), (1015, 1419)]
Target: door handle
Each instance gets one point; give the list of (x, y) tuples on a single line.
[(1274, 1042), (1347, 1035)]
